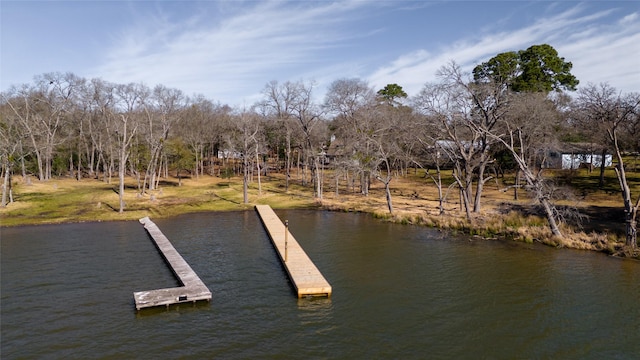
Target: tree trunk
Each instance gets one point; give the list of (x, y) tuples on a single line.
[(258, 169), (630, 211), (438, 181), (602, 168), (479, 187), (549, 209), (79, 166), (318, 178), (123, 161), (40, 166), (387, 191), (5, 185), (466, 202), (288, 162), (245, 181), (23, 166), (465, 188), (71, 173), (517, 185)]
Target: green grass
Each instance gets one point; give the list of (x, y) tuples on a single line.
[(414, 198), (67, 200)]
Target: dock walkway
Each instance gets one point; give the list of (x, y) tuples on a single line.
[(192, 289), (304, 275)]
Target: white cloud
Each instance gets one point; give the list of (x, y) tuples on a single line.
[(230, 55), (631, 18), (218, 58), (599, 52)]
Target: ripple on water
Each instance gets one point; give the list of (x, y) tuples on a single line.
[(398, 292)]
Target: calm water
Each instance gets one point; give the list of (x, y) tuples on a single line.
[(398, 292)]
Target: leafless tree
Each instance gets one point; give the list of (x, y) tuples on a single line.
[(128, 101), (161, 108), (42, 110), (430, 154), (370, 129), (614, 111), (278, 103), (448, 110), (307, 115), (483, 106), (246, 129), (202, 119), (386, 137), (10, 147), (525, 132), (351, 102)]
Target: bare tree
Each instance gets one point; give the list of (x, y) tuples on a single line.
[(448, 110), (42, 110), (351, 103), (385, 137), (57, 93), (128, 101), (308, 114), (10, 147), (430, 153), (526, 133), (278, 102), (474, 117), (243, 135), (291, 104), (101, 127), (161, 109), (483, 105), (370, 128), (201, 122), (602, 104)]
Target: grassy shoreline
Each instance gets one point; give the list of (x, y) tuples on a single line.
[(66, 200)]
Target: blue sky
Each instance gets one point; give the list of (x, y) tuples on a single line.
[(228, 50)]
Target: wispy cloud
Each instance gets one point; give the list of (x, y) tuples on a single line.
[(229, 50), (629, 19), (599, 51), (218, 58)]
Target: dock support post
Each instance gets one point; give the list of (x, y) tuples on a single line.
[(286, 238)]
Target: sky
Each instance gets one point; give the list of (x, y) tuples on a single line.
[(229, 50)]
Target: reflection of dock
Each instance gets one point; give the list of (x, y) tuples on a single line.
[(192, 289), (304, 275)]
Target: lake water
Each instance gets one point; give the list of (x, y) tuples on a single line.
[(398, 292)]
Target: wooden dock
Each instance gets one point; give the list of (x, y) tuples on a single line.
[(304, 275), (192, 289)]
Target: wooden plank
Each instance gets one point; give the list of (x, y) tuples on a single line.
[(192, 289), (304, 275)]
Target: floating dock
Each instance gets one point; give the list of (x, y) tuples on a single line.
[(192, 289), (304, 275)]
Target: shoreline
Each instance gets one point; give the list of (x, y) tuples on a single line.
[(52, 203)]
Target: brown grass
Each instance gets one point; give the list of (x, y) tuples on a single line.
[(415, 201)]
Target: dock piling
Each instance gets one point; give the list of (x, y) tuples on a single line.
[(286, 240)]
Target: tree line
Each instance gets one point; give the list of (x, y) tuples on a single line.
[(504, 115)]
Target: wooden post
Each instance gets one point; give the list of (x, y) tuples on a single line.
[(286, 236)]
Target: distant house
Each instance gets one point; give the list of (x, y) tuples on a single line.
[(335, 151), (229, 154), (574, 155)]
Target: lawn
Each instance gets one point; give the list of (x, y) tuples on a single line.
[(415, 201)]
